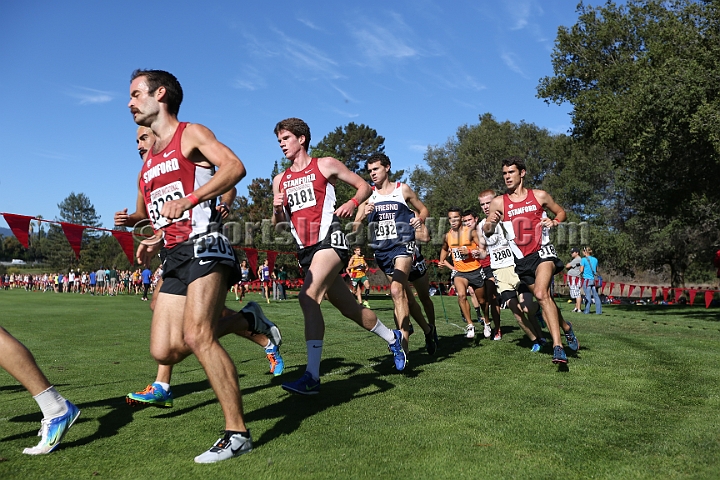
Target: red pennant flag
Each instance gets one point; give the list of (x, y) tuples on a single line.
[(630, 290), (622, 289), (642, 291), (708, 298), (74, 235), (678, 293), (602, 289), (654, 292), (665, 291), (565, 282), (252, 255), (19, 224), (612, 285), (693, 292), (271, 256), (125, 239)]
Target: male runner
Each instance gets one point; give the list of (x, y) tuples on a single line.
[(392, 237), (262, 331), (490, 307), (521, 211), (357, 269), (463, 243), (58, 414), (185, 171), (501, 253), (304, 195)]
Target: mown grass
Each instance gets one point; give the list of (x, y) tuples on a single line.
[(639, 400)]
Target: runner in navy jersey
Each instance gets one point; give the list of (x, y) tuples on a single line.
[(304, 196)]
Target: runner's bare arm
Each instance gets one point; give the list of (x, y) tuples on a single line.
[(547, 202), (123, 219), (442, 262), (199, 145), (226, 201), (481, 251), (278, 201), (364, 210), (334, 169), (420, 209), (495, 216)]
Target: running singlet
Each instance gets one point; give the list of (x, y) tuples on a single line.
[(310, 206), (524, 218), (501, 250), (357, 267), (168, 175), (390, 220), (462, 262)]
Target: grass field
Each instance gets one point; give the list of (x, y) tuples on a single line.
[(640, 399)]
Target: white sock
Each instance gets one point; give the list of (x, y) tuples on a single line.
[(51, 403), (383, 332), (314, 353), (269, 344), (166, 386)]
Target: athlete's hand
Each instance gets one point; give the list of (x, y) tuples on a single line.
[(346, 210), (494, 217), (278, 202), (476, 253), (148, 248), (175, 208), (369, 207), (416, 222), (121, 218), (223, 209), (548, 223)]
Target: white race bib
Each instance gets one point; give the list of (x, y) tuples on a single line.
[(213, 245), (501, 257), (338, 240), (385, 230), (158, 197), (300, 197), (547, 251), (458, 255)]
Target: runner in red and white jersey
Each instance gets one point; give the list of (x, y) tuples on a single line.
[(304, 196), (199, 264), (521, 211)]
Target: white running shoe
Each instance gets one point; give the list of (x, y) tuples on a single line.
[(229, 446), (470, 331), (487, 331)]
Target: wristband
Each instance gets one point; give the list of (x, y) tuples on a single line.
[(193, 199), (357, 204)]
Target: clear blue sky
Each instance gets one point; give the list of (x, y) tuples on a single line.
[(413, 70)]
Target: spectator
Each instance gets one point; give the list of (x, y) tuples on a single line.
[(574, 280), (589, 270)]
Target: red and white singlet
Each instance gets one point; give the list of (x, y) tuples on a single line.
[(309, 204), (168, 175), (524, 217)]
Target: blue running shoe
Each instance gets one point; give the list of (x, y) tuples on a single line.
[(153, 394), (305, 385), (559, 355), (277, 365), (397, 350), (52, 431), (536, 347), (572, 340)]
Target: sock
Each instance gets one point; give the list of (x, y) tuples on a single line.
[(51, 403), (367, 293), (166, 386), (383, 332), (230, 433), (314, 352), (479, 313), (269, 344)]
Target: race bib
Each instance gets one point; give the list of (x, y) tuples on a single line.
[(158, 197), (338, 240), (213, 245), (547, 251), (386, 230), (501, 257), (458, 255), (300, 197)]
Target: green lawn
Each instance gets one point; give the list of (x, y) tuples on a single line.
[(640, 400)]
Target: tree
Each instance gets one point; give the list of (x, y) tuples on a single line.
[(643, 82), (77, 209)]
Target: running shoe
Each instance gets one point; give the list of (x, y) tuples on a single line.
[(232, 444), (559, 355), (536, 347), (470, 331), (572, 340), (305, 385), (397, 350), (431, 340), (52, 431), (259, 323), (498, 335), (153, 394), (277, 365), (487, 331), (366, 304)]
